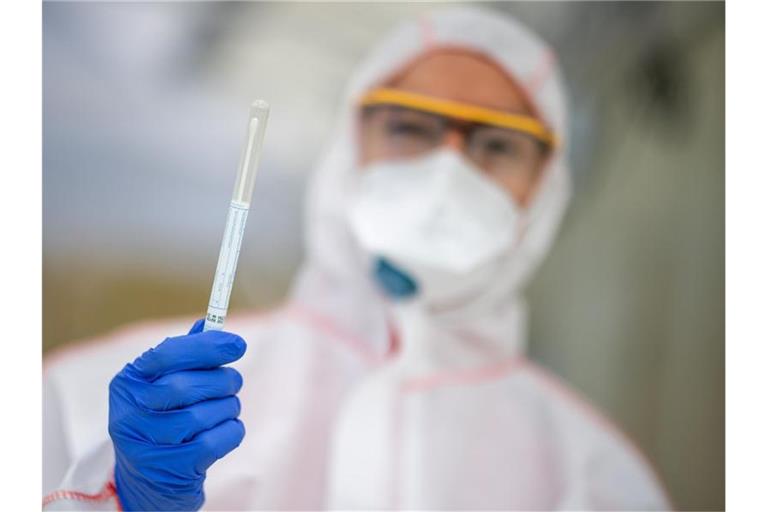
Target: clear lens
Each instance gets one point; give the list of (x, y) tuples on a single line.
[(397, 132), (393, 132), (502, 151)]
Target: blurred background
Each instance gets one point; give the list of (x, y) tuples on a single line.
[(144, 115)]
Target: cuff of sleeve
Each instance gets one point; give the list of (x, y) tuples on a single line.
[(61, 499)]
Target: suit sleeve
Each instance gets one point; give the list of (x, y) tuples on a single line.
[(84, 483)]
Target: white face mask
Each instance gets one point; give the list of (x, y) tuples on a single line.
[(438, 218)]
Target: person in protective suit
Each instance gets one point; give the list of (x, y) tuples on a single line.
[(395, 375)]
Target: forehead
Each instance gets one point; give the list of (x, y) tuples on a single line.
[(464, 77)]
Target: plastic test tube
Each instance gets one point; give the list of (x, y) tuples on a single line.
[(238, 211)]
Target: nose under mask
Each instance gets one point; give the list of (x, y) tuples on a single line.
[(434, 227)]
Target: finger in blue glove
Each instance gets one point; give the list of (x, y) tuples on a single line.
[(172, 414)]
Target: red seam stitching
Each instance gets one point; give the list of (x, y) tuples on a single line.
[(107, 492), (126, 333), (549, 380), (427, 32), (466, 376), (112, 484), (541, 72), (323, 323), (421, 384)]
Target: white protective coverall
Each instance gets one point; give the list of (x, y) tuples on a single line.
[(352, 402)]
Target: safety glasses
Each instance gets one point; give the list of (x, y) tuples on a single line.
[(400, 124), (461, 111)]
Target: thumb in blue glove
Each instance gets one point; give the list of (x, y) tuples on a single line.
[(172, 413)]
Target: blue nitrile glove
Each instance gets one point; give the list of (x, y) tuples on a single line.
[(172, 413)]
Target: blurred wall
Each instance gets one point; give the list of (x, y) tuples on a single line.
[(629, 307), (144, 114)]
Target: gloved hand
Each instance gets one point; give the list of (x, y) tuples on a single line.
[(172, 413)]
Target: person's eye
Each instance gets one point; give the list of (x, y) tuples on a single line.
[(499, 146), (407, 128)]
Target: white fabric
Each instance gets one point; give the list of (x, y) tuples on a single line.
[(349, 403)]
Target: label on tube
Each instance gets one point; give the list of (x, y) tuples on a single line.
[(227, 265)]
